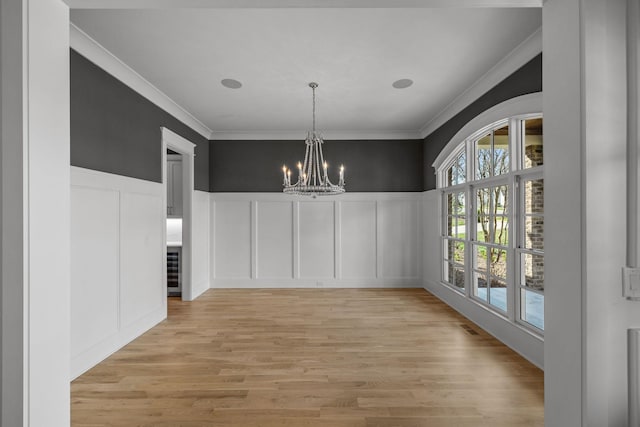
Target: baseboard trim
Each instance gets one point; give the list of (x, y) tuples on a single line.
[(316, 283)]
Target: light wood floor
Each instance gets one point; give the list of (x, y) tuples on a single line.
[(325, 357)]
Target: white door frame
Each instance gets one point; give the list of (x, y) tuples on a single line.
[(186, 148)]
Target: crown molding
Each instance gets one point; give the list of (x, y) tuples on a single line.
[(103, 58), (301, 135), (261, 4), (523, 53)]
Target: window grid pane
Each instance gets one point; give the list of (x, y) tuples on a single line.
[(480, 285), (449, 175), (498, 293), (456, 173), (484, 162), (498, 278), (450, 203), (501, 230), (501, 155), (533, 196), (532, 308), (461, 228), (480, 268), (532, 271), (532, 142), (534, 232), (459, 278), (448, 273), (462, 167), (457, 252)]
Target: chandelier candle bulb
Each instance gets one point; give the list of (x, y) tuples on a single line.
[(313, 178)]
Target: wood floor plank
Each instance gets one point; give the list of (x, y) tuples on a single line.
[(311, 357)]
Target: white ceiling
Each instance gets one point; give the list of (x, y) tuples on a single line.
[(354, 54)]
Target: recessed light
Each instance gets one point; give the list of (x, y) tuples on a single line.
[(231, 83), (402, 83)]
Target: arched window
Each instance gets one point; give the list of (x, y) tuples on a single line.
[(492, 227)]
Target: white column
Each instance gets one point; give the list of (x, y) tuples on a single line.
[(563, 361), (35, 212), (633, 186), (586, 315), (13, 225)]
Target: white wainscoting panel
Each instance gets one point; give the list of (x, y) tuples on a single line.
[(201, 234), (316, 240), (431, 260), (400, 236), (232, 247), (94, 266), (117, 251), (274, 231), (278, 240), (358, 239), (141, 252)]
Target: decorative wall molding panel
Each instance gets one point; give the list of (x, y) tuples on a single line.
[(276, 240), (117, 248)]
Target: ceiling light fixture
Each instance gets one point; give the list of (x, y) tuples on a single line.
[(231, 83), (402, 83), (313, 178)]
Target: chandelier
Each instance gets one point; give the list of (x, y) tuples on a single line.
[(313, 178)]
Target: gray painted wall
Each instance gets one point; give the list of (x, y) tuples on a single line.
[(370, 165), (116, 130), (527, 79)]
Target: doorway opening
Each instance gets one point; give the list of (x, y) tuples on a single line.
[(174, 223), (177, 177)]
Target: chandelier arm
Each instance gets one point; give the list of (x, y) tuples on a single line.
[(325, 179), (310, 166), (307, 161), (319, 156), (315, 167)]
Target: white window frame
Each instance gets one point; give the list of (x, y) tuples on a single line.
[(515, 216), (444, 239)]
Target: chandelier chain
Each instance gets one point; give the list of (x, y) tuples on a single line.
[(313, 88)]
